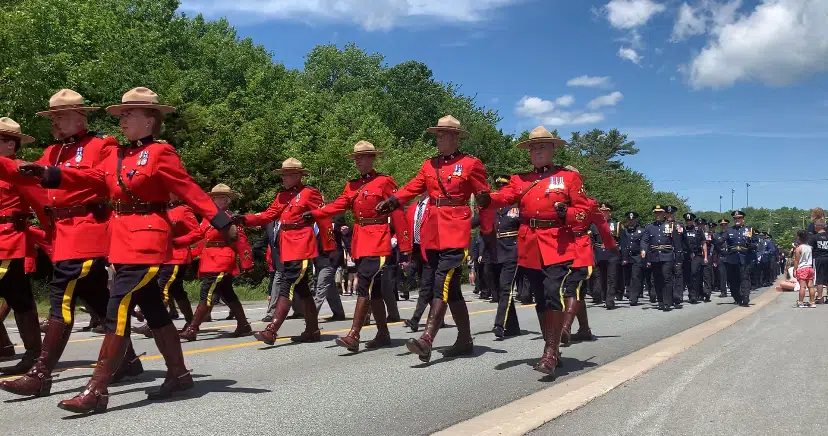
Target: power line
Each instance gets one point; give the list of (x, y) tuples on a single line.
[(740, 181)]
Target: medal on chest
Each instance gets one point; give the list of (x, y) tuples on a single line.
[(612, 227), (79, 155), (142, 158), (556, 183), (458, 171), (513, 213)]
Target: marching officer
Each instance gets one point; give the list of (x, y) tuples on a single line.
[(707, 268), (606, 261), (138, 178), (297, 248), (371, 243), (77, 223), (695, 259), (681, 249), (218, 267), (721, 248), (657, 249), (504, 265), (634, 265), (550, 199), (741, 248)]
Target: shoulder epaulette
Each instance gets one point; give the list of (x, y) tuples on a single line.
[(97, 135)]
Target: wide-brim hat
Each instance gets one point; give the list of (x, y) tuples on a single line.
[(448, 124), (9, 127), (502, 180), (222, 189), (737, 214), (139, 98), (291, 165), (66, 100), (364, 148), (658, 208), (540, 135)]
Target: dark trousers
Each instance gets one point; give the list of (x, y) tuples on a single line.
[(765, 279), (492, 282), (296, 279), (663, 281), (425, 294), (738, 278), (692, 272), (722, 272), (708, 283), (135, 284), (441, 273), (636, 269), (85, 278), (215, 286), (171, 281), (15, 287), (506, 315), (369, 276), (547, 285), (606, 278), (678, 282)]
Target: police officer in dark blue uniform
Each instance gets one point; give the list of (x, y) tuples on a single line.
[(721, 249), (633, 265), (708, 277), (504, 266), (605, 275), (681, 249), (740, 244), (657, 250), (695, 258)]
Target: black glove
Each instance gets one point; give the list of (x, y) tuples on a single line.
[(238, 219), (31, 170), (561, 208), (230, 233), (387, 206), (307, 217), (483, 199)]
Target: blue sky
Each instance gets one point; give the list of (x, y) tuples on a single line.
[(716, 93)]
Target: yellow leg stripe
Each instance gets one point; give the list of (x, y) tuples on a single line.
[(578, 291), (66, 305), (371, 283), (509, 303), (561, 290), (212, 289), (123, 307), (589, 272), (169, 283), (4, 268), (446, 284), (298, 279)]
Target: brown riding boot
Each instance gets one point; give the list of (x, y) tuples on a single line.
[(312, 332), (143, 329), (6, 346), (38, 380), (571, 309), (584, 333), (383, 337), (422, 346), (178, 376), (191, 332), (28, 326), (242, 325), (553, 322), (130, 367), (268, 335), (95, 397), (464, 345), (186, 310), (351, 340)]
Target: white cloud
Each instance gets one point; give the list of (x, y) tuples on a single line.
[(777, 43), (706, 14), (533, 106), (629, 14), (690, 22), (565, 100), (605, 100), (630, 55), (550, 114), (590, 81), (371, 15), (564, 118)]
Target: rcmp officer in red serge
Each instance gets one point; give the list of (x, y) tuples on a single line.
[(218, 267), (449, 180), (77, 220), (139, 178), (550, 198), (297, 248), (15, 286), (371, 243)]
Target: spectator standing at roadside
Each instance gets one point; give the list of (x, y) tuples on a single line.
[(803, 259), (819, 249)]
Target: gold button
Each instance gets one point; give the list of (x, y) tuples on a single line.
[(149, 226)]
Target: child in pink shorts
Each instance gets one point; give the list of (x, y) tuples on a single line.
[(804, 261)]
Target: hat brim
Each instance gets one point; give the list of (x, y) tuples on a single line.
[(659, 210), (301, 171), (119, 109), (24, 139), (363, 153), (232, 194), (460, 132), (557, 142), (50, 112)]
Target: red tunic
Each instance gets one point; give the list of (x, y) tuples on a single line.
[(184, 225), (362, 196), (448, 226), (537, 192), (582, 248), (217, 256), (13, 236), (297, 240)]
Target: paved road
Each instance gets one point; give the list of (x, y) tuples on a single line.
[(245, 387), (765, 375)]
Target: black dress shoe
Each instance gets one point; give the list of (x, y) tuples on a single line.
[(693, 301), (677, 306), (412, 325), (498, 332), (706, 298), (267, 318), (633, 303), (392, 319), (653, 299), (667, 308), (338, 317)]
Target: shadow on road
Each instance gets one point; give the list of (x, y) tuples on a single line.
[(395, 342), (566, 366), (479, 350)]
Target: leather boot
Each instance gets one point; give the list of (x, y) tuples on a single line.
[(584, 333), (553, 321), (191, 331), (312, 332), (422, 346), (143, 329), (130, 367), (178, 376), (6, 346), (242, 325), (95, 397), (571, 309), (28, 326), (268, 335), (351, 340), (38, 380), (464, 344), (383, 337), (4, 311), (186, 310)]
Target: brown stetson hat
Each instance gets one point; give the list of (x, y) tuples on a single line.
[(363, 147), (9, 127), (66, 100), (222, 189), (139, 98), (450, 124), (539, 135), (291, 165)]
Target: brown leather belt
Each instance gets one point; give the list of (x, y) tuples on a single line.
[(536, 223), (59, 213), (507, 234), (294, 226), (138, 208), (447, 202), (368, 221), (216, 244)]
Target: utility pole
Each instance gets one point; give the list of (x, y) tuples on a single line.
[(732, 192), (720, 204), (747, 194), (771, 221)]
